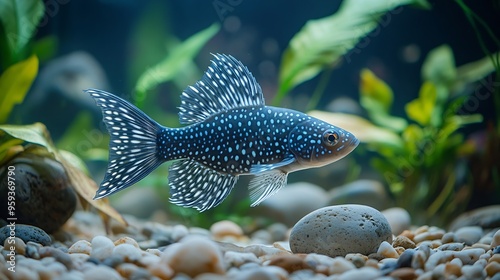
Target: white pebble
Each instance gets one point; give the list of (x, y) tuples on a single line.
[(239, 258), (399, 219), (340, 265), (80, 247), (102, 247), (496, 239), (362, 273), (194, 255), (473, 272), (128, 252), (469, 235), (101, 272), (179, 232), (385, 249)]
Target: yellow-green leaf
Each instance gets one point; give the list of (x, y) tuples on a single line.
[(321, 42), (371, 87), (421, 109), (15, 83)]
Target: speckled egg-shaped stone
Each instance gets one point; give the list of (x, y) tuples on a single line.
[(339, 230)]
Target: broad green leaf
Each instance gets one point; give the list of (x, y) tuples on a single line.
[(439, 68), (321, 42), (439, 65), (174, 62), (411, 136), (421, 109), (15, 83), (20, 19), (472, 72), (85, 187), (363, 129), (374, 88)]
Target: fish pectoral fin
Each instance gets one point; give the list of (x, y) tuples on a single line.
[(265, 184), (195, 185), (259, 168)]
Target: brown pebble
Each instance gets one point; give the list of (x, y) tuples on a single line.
[(126, 269), (482, 246), (161, 271), (408, 234), (372, 263), (289, 263), (452, 269), (403, 241), (421, 229), (492, 269), (376, 256), (404, 273), (400, 250), (495, 258)]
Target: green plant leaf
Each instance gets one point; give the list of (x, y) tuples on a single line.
[(174, 62), (376, 97), (439, 66), (321, 42), (371, 87), (472, 72), (422, 108), (15, 83), (20, 19)]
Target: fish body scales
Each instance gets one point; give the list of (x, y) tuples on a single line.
[(234, 141)]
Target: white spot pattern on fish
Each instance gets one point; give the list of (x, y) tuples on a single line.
[(230, 133)]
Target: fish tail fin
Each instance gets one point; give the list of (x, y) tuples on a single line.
[(132, 146)]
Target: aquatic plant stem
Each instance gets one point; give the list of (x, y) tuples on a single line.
[(320, 89)]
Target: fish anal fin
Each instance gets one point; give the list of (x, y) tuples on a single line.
[(197, 186)]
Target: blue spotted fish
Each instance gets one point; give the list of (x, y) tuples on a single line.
[(230, 132)]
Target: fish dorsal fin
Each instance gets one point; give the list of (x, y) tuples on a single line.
[(226, 84)]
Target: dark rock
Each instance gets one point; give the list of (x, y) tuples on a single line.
[(26, 233), (44, 196), (405, 258)]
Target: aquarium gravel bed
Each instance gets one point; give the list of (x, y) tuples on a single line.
[(152, 250)]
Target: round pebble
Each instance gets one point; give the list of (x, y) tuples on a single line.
[(225, 228), (339, 230), (194, 255), (102, 247), (101, 272), (398, 218), (496, 239), (387, 250), (81, 247), (128, 252), (469, 235)]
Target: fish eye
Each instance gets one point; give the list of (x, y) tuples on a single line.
[(330, 138)]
